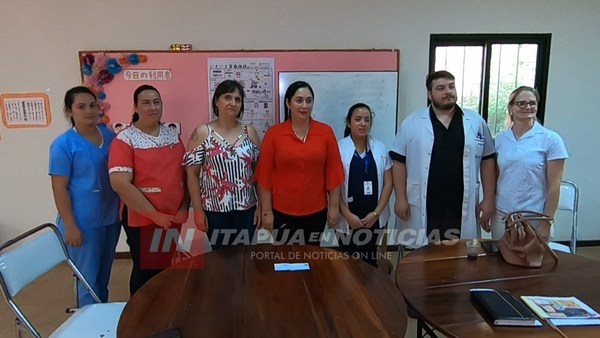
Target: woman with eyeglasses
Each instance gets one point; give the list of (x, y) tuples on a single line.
[(531, 159), (299, 173)]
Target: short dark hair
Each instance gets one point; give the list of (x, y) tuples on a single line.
[(289, 93), (228, 86), (349, 115), (70, 98), (440, 74), (136, 94)]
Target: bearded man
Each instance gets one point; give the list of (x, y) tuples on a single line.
[(438, 156)]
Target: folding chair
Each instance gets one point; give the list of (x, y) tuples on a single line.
[(29, 257), (569, 202)]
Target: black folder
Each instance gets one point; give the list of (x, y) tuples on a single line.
[(503, 309)]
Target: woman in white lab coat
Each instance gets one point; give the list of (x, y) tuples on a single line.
[(367, 186)]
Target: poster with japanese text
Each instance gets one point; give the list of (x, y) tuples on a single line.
[(28, 110), (256, 76)]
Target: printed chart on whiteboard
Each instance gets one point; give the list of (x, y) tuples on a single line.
[(256, 76)]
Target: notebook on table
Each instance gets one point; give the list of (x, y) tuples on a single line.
[(503, 309), (562, 311)]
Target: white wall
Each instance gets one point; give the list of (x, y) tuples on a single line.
[(40, 41)]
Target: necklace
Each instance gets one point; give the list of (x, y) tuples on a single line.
[(301, 138), (360, 148)]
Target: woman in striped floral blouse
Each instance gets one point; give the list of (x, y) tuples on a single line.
[(220, 164)]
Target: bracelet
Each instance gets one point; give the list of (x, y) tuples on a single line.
[(374, 213), (267, 213)]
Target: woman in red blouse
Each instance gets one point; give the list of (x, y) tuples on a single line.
[(146, 172), (299, 173)]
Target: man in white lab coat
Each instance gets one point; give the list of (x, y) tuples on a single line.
[(438, 156)]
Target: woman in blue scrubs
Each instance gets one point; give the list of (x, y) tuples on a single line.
[(87, 206)]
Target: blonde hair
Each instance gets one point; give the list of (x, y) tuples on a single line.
[(511, 100)]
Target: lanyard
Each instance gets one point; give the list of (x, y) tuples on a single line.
[(365, 160)]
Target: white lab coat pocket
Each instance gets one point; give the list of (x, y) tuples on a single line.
[(478, 148), (413, 194)]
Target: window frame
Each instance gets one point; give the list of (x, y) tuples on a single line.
[(486, 41)]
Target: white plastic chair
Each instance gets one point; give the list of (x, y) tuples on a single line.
[(569, 202), (29, 257)]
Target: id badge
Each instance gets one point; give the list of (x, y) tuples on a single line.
[(368, 188)]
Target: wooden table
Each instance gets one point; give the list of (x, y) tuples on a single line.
[(436, 279), (237, 293)]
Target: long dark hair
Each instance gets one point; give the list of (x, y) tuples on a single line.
[(70, 97), (136, 93), (289, 93), (349, 115)]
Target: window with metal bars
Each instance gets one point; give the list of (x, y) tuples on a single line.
[(488, 67)]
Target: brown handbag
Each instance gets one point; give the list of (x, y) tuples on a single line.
[(520, 245)]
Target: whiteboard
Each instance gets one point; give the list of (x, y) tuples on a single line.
[(336, 92)]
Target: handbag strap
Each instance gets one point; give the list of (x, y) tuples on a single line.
[(526, 215), (530, 215)]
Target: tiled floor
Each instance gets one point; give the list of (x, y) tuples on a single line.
[(45, 301)]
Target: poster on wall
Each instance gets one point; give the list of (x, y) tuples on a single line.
[(27, 110), (256, 76)]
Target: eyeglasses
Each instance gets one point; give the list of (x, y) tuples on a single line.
[(523, 104)]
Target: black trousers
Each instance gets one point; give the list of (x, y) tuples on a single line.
[(146, 264), (305, 230), (361, 243)]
